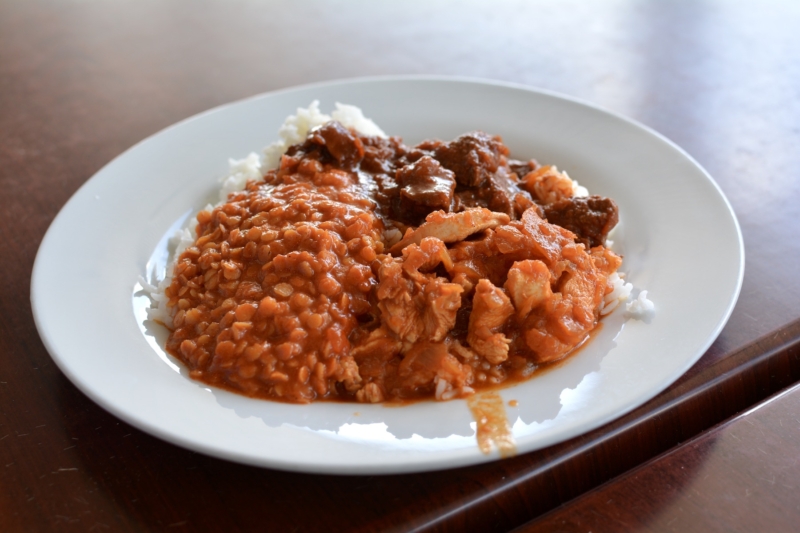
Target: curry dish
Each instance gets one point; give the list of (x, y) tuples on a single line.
[(366, 270)]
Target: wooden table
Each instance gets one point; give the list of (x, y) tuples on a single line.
[(738, 477), (82, 81)]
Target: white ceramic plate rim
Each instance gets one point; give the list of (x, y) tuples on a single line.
[(90, 328)]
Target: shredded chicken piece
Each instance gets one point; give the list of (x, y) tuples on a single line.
[(452, 227), (417, 306), (348, 374), (491, 308), (563, 320), (543, 239), (426, 361), (584, 284), (464, 352), (371, 393), (474, 260), (529, 285), (380, 343), (548, 185), (605, 260), (375, 354), (428, 255)]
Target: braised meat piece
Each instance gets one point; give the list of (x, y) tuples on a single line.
[(482, 173), (342, 144), (500, 193), (588, 217), (521, 168), (381, 154), (426, 147), (424, 186), (474, 157)]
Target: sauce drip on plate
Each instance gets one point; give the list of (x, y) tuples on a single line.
[(493, 429)]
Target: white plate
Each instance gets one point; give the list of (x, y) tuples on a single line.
[(679, 236)]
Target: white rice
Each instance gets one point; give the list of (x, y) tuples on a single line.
[(239, 173), (296, 127), (445, 391), (577, 189), (619, 293), (641, 306)]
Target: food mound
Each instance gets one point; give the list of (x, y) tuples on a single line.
[(362, 269)]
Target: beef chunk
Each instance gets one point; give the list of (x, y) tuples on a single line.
[(498, 193), (521, 168), (473, 157), (342, 144), (424, 186), (483, 178), (590, 218), (427, 147), (381, 154)]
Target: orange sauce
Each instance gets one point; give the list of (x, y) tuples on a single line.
[(493, 429)]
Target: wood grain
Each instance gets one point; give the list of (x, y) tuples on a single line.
[(82, 81), (738, 477)]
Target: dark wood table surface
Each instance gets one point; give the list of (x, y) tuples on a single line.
[(81, 81), (737, 477)]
